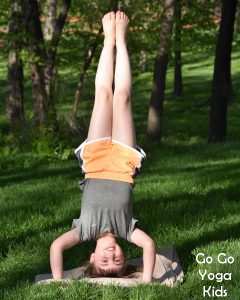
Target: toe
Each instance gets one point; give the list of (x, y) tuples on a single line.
[(105, 17), (118, 14), (112, 15)]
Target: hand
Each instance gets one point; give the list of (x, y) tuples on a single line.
[(146, 279)]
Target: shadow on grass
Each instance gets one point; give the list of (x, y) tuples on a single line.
[(197, 66), (195, 205), (9, 178), (35, 266), (184, 209), (40, 203), (157, 211), (23, 237), (221, 234), (46, 206)]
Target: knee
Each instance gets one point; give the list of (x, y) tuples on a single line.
[(122, 96), (103, 93)]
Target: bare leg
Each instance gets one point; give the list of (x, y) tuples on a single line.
[(101, 119), (123, 126)]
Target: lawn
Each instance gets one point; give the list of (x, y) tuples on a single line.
[(187, 195)]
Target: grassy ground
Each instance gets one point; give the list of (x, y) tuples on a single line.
[(187, 195)]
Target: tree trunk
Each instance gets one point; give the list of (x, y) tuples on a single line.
[(43, 47), (55, 20), (178, 59), (14, 105), (114, 5), (160, 69), (38, 58), (221, 85), (87, 62), (50, 70), (237, 23), (39, 95)]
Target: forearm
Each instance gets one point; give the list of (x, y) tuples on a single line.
[(149, 254), (65, 241), (56, 262), (141, 239)]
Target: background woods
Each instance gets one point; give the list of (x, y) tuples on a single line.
[(40, 38)]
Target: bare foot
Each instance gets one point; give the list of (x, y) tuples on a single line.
[(109, 28), (121, 27)]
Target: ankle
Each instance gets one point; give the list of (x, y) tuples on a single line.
[(121, 42), (109, 42)]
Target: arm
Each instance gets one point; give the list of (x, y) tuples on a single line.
[(141, 239), (63, 242)]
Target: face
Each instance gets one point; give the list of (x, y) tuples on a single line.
[(108, 256)]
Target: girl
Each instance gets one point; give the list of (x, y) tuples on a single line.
[(110, 160)]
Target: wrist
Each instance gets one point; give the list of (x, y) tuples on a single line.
[(57, 276), (146, 279)]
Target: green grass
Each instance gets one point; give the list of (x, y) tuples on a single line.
[(187, 195)]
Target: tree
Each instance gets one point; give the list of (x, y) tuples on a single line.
[(89, 54), (237, 25), (43, 44), (56, 14), (160, 69), (88, 57), (177, 50), (15, 104), (221, 84), (35, 42)]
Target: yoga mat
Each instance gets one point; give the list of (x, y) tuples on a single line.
[(167, 271)]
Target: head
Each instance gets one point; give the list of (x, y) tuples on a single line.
[(108, 258)]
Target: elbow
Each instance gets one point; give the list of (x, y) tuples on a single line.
[(150, 244), (55, 247)]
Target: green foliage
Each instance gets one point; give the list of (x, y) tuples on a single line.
[(4, 8), (85, 21), (41, 143), (198, 26), (80, 31)]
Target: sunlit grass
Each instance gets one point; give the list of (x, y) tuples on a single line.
[(187, 195)]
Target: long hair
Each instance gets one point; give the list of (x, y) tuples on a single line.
[(127, 271)]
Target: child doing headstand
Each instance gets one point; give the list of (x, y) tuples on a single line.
[(110, 159)]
